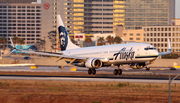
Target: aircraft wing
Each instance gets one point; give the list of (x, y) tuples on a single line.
[(60, 56), (164, 53)]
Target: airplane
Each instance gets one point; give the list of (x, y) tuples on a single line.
[(137, 55)]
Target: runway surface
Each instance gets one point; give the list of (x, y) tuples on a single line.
[(126, 70)]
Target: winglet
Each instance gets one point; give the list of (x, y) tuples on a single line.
[(169, 46)]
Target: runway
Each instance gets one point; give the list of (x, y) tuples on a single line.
[(106, 70)]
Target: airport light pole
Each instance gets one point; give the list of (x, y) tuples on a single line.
[(170, 86)]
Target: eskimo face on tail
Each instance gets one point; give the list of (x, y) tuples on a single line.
[(63, 38)]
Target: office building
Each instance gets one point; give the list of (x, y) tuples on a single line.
[(158, 36), (22, 20), (103, 16)]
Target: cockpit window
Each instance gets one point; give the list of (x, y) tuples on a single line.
[(149, 48)]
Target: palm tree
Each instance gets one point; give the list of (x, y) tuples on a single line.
[(15, 40), (101, 40), (110, 39), (88, 40), (21, 41), (3, 40), (117, 40)]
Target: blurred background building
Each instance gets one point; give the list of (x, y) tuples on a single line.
[(20, 18)]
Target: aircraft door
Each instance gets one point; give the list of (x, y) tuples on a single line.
[(138, 51)]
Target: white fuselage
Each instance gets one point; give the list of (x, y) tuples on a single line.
[(118, 54)]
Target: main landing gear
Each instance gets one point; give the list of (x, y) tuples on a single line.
[(118, 71), (91, 71), (147, 68)]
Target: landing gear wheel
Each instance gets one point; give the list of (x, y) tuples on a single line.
[(115, 72), (93, 71), (89, 71), (119, 71), (147, 69)]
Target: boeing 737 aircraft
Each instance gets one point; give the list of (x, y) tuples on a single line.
[(137, 55)]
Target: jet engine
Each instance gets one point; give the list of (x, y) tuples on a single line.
[(137, 66), (93, 63)]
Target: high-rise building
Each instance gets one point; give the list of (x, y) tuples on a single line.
[(103, 16), (22, 20)]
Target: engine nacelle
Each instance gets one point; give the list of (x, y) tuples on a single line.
[(137, 66), (93, 63)]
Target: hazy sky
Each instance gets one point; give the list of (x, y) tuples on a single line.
[(177, 8)]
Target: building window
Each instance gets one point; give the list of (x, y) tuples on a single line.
[(162, 39), (162, 29), (165, 29), (161, 34), (138, 34), (130, 38), (155, 39), (161, 44), (147, 39), (137, 38), (169, 34), (154, 34), (169, 29), (130, 34)]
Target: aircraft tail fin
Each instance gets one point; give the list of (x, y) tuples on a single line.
[(65, 41)]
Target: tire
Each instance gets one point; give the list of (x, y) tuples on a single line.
[(115, 72), (119, 71), (93, 71), (89, 71)]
